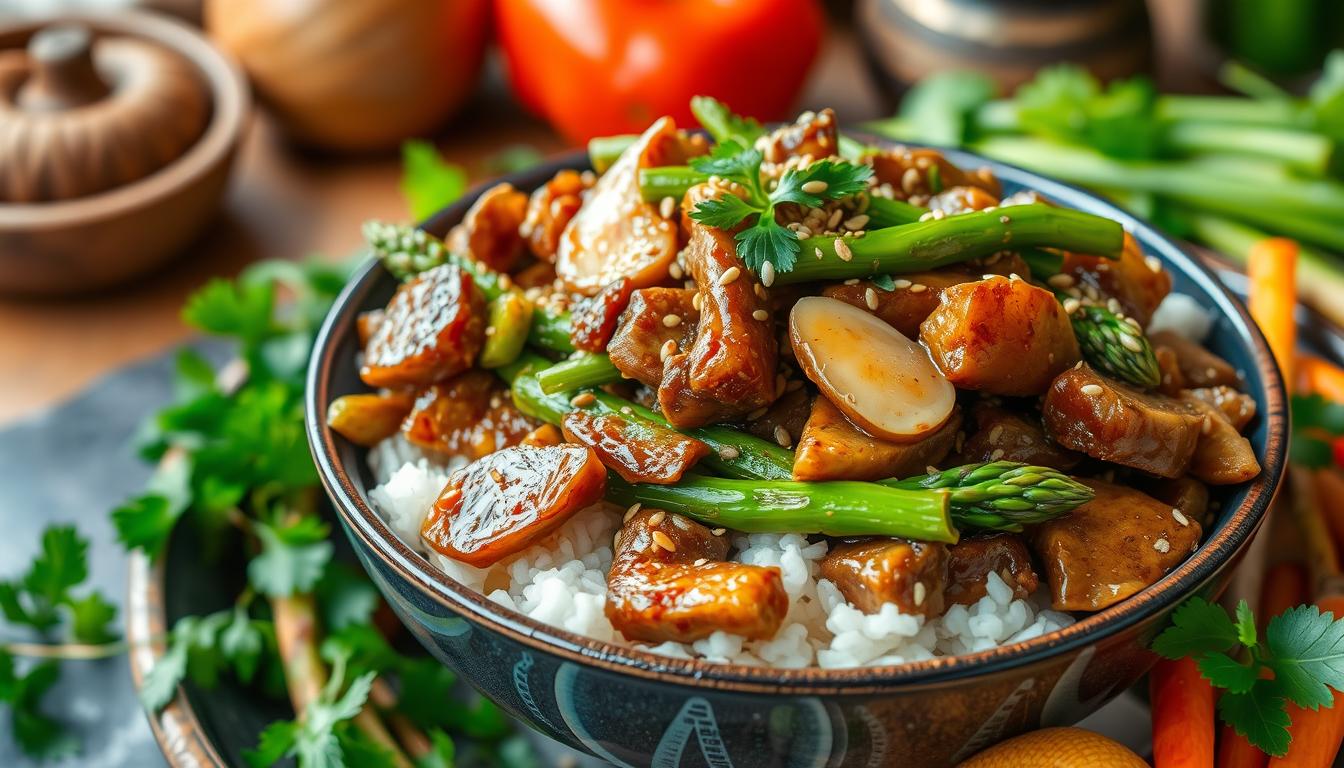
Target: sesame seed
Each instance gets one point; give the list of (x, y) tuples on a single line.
[(910, 180), (1211, 373), (663, 540), (667, 207), (729, 275), (1014, 276), (818, 252), (852, 281), (669, 349), (671, 321), (929, 469), (674, 269), (856, 222), (1162, 545), (1071, 306), (918, 288), (902, 283), (996, 454), (842, 250), (656, 519), (768, 274), (814, 187), (835, 217), (1154, 263), (760, 292), (583, 399), (1207, 426), (699, 561), (802, 232), (1180, 517), (1113, 305), (870, 298), (1091, 389), (1061, 280), (719, 531), (1004, 219), (921, 592), (697, 300), (783, 437), (728, 453), (627, 410), (996, 433), (761, 315)]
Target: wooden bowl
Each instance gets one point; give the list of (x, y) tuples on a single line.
[(632, 707), (103, 239)]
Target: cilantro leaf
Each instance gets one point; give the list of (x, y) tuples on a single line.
[(427, 182), (841, 179), (146, 521), (237, 308), (724, 212), (292, 559), (1198, 627), (734, 162), (1246, 633), (243, 643), (38, 734), (1226, 672), (161, 683), (276, 742), (1259, 715), (62, 564), (90, 617), (767, 241), (722, 124), (1068, 104), (1307, 655), (345, 597)]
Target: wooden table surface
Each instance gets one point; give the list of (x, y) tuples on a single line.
[(286, 203)]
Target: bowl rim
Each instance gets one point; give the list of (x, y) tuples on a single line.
[(1190, 576), (230, 104)]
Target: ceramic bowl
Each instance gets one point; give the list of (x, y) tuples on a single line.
[(99, 240), (635, 708)]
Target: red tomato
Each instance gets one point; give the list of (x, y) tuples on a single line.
[(1337, 449), (603, 67)]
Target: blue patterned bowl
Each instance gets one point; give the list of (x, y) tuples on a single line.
[(634, 708)]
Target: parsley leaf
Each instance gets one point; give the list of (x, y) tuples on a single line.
[(724, 212), (146, 521), (716, 118), (239, 308), (39, 599), (293, 556), (1198, 627), (1307, 650), (767, 241), (1259, 715), (1246, 633), (427, 182), (90, 616), (1230, 673)]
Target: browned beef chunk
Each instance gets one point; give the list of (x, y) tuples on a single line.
[(1239, 408), (489, 230), (1002, 336), (549, 210), (833, 448), (730, 367), (1134, 281), (1199, 367), (789, 413), (1108, 420), (1171, 381), (1006, 435), (915, 174), (669, 581), (593, 321), (430, 331), (1185, 494), (871, 572), (638, 451), (814, 134), (470, 415), (1111, 547), (1222, 455), (971, 560), (636, 346)]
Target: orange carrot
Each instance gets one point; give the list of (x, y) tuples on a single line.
[(1316, 735), (1234, 751), (1287, 585), (1272, 268), (1320, 377), (1182, 703)]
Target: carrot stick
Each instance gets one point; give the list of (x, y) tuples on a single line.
[(1182, 715), (1287, 585), (1234, 751), (1272, 268), (1316, 735), (1320, 377)]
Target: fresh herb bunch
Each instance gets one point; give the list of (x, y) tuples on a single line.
[(764, 240), (1300, 659)]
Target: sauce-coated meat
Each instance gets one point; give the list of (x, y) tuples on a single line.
[(1239, 408), (1199, 367), (549, 210), (593, 320), (915, 174), (1008, 435), (470, 415), (1107, 420), (813, 134), (971, 560), (789, 413), (1222, 456), (833, 448), (910, 574), (1002, 336), (1111, 547), (668, 581), (365, 419), (430, 331), (636, 348), (489, 230), (499, 505), (639, 451), (1184, 493), (1134, 281)]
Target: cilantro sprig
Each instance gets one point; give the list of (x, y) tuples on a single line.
[(1300, 659), (764, 239)]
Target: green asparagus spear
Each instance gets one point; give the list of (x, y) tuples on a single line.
[(1003, 495), (840, 508), (586, 371), (1114, 346), (510, 320)]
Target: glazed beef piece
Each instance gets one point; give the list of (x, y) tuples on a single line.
[(639, 451), (636, 347), (549, 211), (813, 134), (470, 415), (729, 369), (430, 331), (915, 174), (1137, 283), (971, 560), (593, 321), (910, 574), (1001, 336), (789, 413), (1237, 407), (669, 581), (1107, 420), (1111, 547), (1185, 494), (1199, 367), (833, 448), (1005, 435), (1222, 456), (489, 230), (1171, 382)]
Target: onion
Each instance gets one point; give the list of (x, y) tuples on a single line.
[(881, 380)]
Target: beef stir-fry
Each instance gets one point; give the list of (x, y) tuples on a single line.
[(789, 332)]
